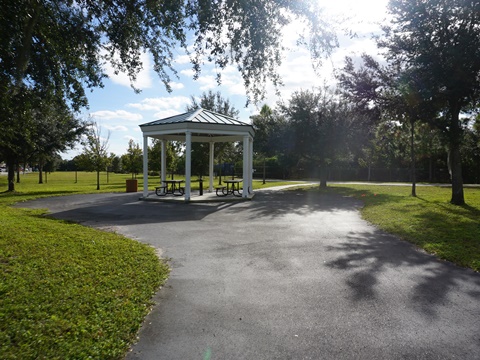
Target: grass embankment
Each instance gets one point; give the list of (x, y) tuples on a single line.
[(67, 291), (429, 221)]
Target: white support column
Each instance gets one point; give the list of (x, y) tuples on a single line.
[(210, 167), (251, 165), (145, 166), (246, 171), (188, 164), (163, 162)]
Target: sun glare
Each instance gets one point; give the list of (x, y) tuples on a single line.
[(356, 11)]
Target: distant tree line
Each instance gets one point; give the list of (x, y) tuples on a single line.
[(360, 146)]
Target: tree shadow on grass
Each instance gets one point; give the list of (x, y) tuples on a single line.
[(451, 232), (463, 210)]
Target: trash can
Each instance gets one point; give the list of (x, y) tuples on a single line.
[(132, 185)]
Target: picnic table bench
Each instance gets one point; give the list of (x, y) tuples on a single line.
[(232, 188), (170, 187)]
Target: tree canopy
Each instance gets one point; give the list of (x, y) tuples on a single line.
[(95, 151), (440, 39), (63, 44), (132, 160), (318, 124)]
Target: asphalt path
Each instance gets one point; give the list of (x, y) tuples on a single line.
[(289, 275)]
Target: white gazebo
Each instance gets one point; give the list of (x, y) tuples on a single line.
[(199, 126)]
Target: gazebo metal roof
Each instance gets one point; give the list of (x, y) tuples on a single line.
[(198, 116), (205, 126)]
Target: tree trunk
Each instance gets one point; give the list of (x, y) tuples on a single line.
[(98, 180), (40, 173), (323, 176), (412, 154), (18, 173), (456, 176), (11, 175), (264, 170), (430, 169), (455, 159)]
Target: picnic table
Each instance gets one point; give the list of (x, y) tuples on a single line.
[(232, 188), (170, 187)]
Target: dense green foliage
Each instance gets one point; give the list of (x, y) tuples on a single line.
[(317, 125), (132, 161)]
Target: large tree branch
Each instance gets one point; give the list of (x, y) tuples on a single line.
[(23, 57)]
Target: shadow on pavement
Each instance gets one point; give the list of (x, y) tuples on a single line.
[(126, 209), (368, 256)]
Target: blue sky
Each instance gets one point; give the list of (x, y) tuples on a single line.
[(118, 110)]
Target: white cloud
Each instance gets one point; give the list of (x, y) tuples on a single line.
[(116, 115), (144, 77), (176, 85), (188, 72), (231, 81), (129, 137), (116, 128), (234, 85), (167, 113), (182, 59), (358, 16), (172, 103), (207, 82)]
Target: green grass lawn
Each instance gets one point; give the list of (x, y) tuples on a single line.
[(429, 221), (67, 291)]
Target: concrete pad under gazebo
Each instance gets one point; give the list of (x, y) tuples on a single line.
[(199, 126)]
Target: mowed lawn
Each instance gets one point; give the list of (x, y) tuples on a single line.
[(67, 291), (429, 221)]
